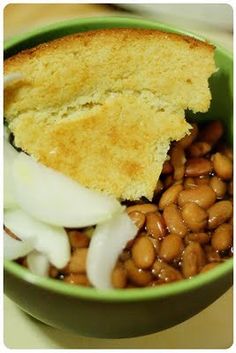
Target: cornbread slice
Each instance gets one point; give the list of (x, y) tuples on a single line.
[(103, 106)]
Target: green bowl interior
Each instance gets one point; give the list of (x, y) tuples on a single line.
[(221, 84)]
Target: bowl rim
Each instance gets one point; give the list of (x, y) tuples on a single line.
[(121, 295), (101, 20)]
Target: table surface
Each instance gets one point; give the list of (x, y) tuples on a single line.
[(212, 328)]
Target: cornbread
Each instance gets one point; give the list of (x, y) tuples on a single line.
[(103, 106)]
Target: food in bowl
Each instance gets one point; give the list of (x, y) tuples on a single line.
[(184, 231), (121, 129)]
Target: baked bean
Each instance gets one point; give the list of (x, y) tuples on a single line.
[(211, 254), (136, 275), (178, 182), (218, 186), (155, 243), (219, 213), (197, 167), (125, 255), (188, 139), (230, 188), (174, 220), (118, 277), (165, 273), (194, 216), (77, 263), (212, 132), (201, 238), (78, 239), (170, 196), (202, 180), (193, 260), (177, 158), (171, 247), (154, 283), (189, 183), (203, 195), (199, 149), (143, 208), (222, 237), (169, 180), (223, 166), (167, 168), (53, 271), (227, 151), (138, 218), (79, 279), (143, 253), (155, 225), (208, 267)]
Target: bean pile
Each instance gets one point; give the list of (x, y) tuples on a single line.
[(188, 227)]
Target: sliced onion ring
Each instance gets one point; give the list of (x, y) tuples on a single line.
[(14, 249), (56, 199), (107, 242), (51, 241), (38, 263)]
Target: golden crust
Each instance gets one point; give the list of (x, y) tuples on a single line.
[(103, 106), (121, 35)]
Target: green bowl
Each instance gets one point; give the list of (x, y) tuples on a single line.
[(133, 312)]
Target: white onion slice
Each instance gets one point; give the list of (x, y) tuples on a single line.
[(38, 263), (56, 199), (51, 241), (11, 78), (10, 154), (13, 248), (107, 242)]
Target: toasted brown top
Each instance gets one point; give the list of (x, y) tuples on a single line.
[(103, 106)]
